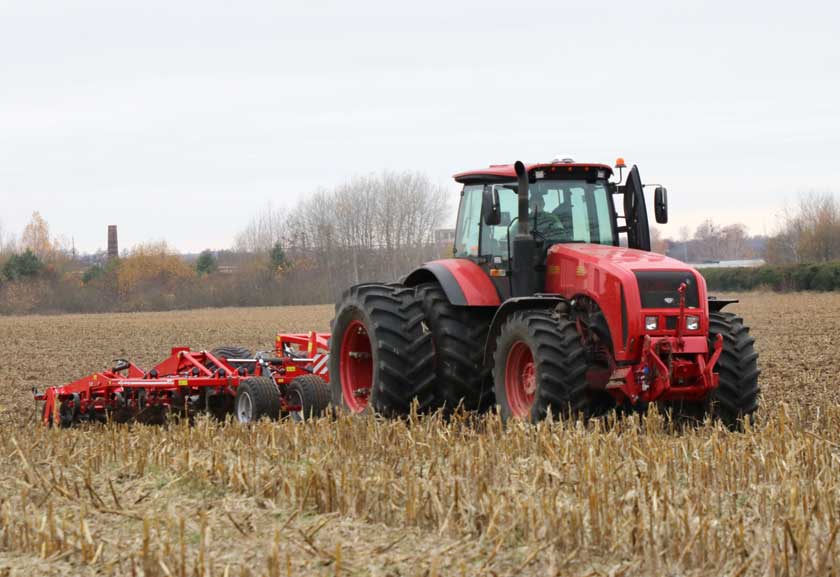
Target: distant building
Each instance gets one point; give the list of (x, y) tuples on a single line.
[(444, 236)]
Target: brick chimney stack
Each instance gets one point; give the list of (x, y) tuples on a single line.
[(113, 247)]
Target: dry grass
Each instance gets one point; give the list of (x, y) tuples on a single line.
[(419, 497)]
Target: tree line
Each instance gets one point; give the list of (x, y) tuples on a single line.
[(807, 233), (373, 227)]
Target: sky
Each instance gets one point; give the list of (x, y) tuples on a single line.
[(177, 121)]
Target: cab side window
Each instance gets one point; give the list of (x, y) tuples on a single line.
[(494, 239), (469, 221)]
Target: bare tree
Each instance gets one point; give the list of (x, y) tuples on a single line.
[(707, 241), (658, 243), (811, 233), (734, 242), (373, 227), (266, 228)]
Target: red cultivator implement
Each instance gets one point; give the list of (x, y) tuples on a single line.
[(291, 380)]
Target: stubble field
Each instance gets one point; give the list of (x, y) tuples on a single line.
[(418, 497)]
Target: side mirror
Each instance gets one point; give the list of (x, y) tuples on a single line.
[(660, 204), (490, 206)]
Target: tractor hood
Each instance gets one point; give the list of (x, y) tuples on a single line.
[(616, 258), (652, 280)]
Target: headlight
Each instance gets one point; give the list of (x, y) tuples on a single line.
[(651, 323), (692, 323)]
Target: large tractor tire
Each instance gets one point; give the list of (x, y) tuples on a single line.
[(736, 398), (458, 334), (381, 354), (257, 397), (540, 367), (312, 394)]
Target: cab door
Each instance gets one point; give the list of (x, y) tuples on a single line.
[(486, 245), (635, 212), (496, 239)]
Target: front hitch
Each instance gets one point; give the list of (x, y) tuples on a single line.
[(662, 375)]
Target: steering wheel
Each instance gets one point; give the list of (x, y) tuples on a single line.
[(548, 224)]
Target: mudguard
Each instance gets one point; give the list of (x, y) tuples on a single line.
[(716, 304), (464, 282)]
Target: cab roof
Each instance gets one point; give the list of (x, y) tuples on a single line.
[(506, 172)]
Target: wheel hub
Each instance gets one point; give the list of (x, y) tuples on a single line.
[(520, 379), (244, 408), (356, 367), (529, 379)]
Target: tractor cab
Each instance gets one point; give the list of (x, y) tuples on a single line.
[(565, 202)]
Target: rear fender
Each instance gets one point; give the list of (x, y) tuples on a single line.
[(716, 304), (464, 282), (540, 302)]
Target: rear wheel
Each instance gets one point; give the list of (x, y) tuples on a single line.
[(311, 394), (382, 355), (540, 367), (257, 397), (458, 334)]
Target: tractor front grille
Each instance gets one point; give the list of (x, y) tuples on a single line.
[(660, 289)]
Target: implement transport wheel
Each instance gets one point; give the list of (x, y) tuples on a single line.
[(382, 353), (540, 367), (312, 394), (68, 413), (458, 334), (231, 352), (257, 397)]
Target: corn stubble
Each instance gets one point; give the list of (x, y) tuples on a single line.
[(424, 496)]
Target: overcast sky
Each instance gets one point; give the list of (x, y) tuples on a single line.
[(177, 120)]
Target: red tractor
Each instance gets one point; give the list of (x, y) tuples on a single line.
[(552, 303)]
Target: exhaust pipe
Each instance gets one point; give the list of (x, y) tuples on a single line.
[(524, 281), (522, 192)]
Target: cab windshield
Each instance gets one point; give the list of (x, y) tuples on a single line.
[(558, 210), (571, 211)]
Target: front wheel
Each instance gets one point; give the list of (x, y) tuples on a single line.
[(540, 367), (736, 398)]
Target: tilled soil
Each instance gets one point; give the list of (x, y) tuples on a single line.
[(361, 496)]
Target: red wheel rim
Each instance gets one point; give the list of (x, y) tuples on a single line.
[(520, 380), (356, 367)]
